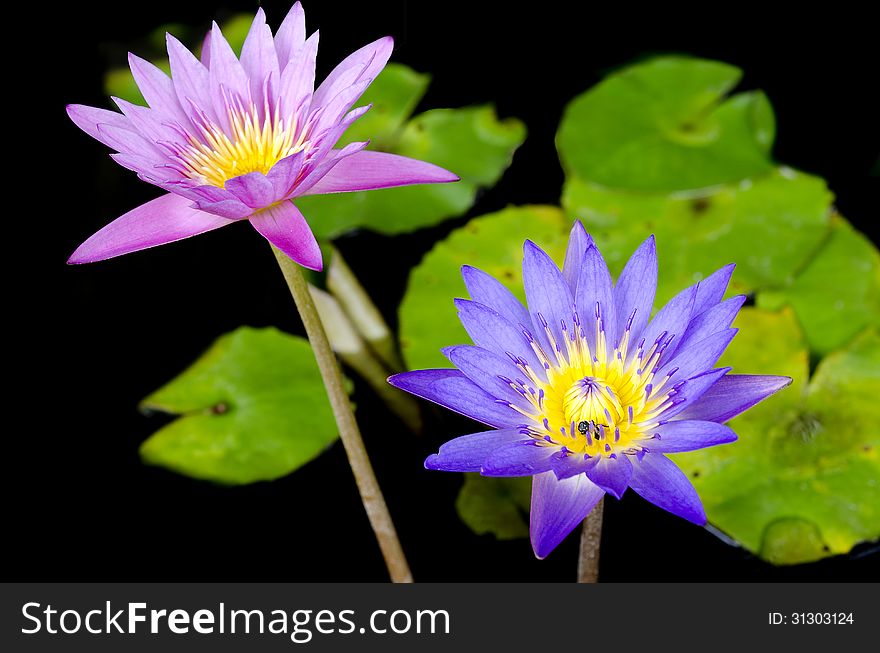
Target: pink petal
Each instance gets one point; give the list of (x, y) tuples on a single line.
[(284, 174), (162, 220), (286, 228), (363, 64), (258, 56), (191, 79), (368, 170), (253, 189), (298, 77), (323, 166), (291, 34), (89, 119), (157, 88)]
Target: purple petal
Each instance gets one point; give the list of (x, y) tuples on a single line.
[(594, 287), (714, 319), (146, 168), (226, 74), (558, 507), (298, 78), (215, 200), (578, 242), (487, 290), (610, 474), (291, 34), (453, 390), (691, 390), (332, 159), (659, 481), (490, 330), (157, 89), (568, 465), (286, 228), (671, 322), (128, 141), (489, 371), (89, 119), (711, 289), (549, 300), (524, 458), (687, 435), (698, 357), (363, 64), (635, 289), (258, 56), (162, 220), (191, 79), (732, 395), (253, 189), (284, 174), (370, 170), (231, 209), (468, 452), (149, 123)]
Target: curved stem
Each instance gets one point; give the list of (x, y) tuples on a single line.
[(591, 537), (371, 495)]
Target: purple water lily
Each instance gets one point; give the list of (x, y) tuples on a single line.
[(238, 139), (585, 393)]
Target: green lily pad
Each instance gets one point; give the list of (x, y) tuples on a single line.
[(499, 506), (493, 243), (838, 294), (769, 226), (665, 125), (802, 481), (252, 408), (471, 142)]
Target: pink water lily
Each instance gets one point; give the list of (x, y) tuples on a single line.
[(239, 138)]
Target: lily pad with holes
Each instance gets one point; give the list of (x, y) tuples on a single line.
[(251, 408), (770, 227), (666, 124), (803, 480), (838, 293), (499, 506)]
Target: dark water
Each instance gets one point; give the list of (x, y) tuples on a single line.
[(88, 343)]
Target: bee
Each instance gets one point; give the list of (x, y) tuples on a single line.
[(590, 427)]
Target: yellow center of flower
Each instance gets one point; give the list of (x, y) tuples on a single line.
[(594, 400), (250, 145)]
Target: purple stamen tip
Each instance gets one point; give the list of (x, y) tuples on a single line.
[(607, 447)]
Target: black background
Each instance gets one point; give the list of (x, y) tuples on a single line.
[(86, 343)]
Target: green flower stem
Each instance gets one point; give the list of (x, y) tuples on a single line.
[(591, 537), (368, 486)]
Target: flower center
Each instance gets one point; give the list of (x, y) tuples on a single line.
[(595, 400), (248, 144)]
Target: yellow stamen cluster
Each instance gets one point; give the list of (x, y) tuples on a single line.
[(251, 146), (594, 400)]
